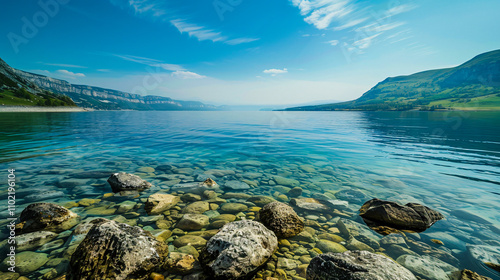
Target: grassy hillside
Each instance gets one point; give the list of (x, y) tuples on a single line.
[(16, 91), (472, 85), (21, 97)]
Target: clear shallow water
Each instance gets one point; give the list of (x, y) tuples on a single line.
[(445, 160)]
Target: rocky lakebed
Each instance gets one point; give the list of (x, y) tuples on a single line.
[(174, 221)]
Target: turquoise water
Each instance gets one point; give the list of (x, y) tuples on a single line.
[(445, 160)]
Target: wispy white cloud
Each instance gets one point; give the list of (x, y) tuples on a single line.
[(400, 9), (177, 70), (70, 74), (376, 27), (238, 41), (150, 7), (187, 75), (104, 70), (158, 10), (151, 62), (203, 33), (365, 42), (321, 13), (200, 32), (64, 65), (275, 72), (363, 23), (350, 24)]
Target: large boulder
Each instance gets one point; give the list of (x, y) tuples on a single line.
[(114, 250), (238, 250), (380, 214), (127, 182), (281, 219), (46, 217), (356, 265), (157, 203)]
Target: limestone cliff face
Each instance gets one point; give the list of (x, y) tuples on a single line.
[(93, 97)]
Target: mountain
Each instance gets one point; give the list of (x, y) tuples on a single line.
[(472, 85), (15, 90), (89, 96)]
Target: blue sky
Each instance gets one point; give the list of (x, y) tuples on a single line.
[(243, 51)]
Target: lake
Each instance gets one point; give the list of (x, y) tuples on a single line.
[(448, 161)]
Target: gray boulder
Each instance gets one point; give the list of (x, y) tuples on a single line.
[(238, 250), (356, 265), (114, 250), (127, 182), (380, 214), (281, 219)]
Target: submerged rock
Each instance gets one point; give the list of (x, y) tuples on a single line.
[(359, 231), (193, 222), (181, 263), (197, 187), (468, 275), (197, 207), (353, 196), (236, 185), (281, 219), (47, 217), (237, 250), (233, 208), (26, 262), (286, 181), (356, 265), (113, 250), (127, 182), (427, 267), (33, 240), (309, 204), (43, 196), (157, 203), (414, 217), (485, 254), (327, 246), (190, 240), (260, 200)]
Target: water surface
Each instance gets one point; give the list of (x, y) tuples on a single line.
[(445, 160)]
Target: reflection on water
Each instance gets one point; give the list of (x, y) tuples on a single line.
[(448, 161)]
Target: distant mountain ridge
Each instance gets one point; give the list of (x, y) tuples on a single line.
[(473, 84), (94, 97)]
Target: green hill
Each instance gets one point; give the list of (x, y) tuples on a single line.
[(474, 85), (16, 91)]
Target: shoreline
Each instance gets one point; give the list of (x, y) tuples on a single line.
[(37, 109)]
